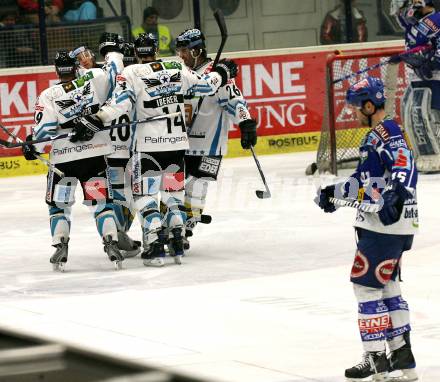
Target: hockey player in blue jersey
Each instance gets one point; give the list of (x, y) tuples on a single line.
[(421, 102), (385, 174)]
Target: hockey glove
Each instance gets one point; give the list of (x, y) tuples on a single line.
[(393, 197), (86, 128), (248, 130), (324, 195), (29, 151), (227, 69)]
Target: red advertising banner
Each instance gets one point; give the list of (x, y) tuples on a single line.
[(18, 93), (285, 93)]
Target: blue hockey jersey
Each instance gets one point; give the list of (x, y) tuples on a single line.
[(385, 156)]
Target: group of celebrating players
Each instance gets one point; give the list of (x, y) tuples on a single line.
[(158, 150)]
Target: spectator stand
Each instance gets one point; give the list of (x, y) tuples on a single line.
[(21, 43)]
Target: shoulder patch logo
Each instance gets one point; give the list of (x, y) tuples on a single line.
[(156, 66), (383, 133), (68, 86), (172, 65)]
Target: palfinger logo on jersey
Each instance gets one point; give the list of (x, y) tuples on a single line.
[(385, 270), (77, 149), (162, 140), (360, 265)]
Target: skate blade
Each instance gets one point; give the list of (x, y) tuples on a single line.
[(381, 377), (157, 262), (407, 375), (58, 267), (117, 264), (178, 259), (132, 253)]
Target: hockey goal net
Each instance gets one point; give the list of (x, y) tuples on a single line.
[(340, 133)]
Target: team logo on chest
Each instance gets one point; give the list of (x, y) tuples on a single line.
[(77, 103), (164, 78), (162, 84)]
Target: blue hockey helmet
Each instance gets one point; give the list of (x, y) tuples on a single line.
[(368, 89), (191, 38)]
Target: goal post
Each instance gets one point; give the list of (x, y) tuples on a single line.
[(340, 133)]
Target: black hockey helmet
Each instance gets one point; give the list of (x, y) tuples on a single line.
[(146, 45), (191, 39), (110, 42), (129, 54), (64, 63)]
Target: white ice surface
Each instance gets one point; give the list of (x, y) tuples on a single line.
[(264, 295)]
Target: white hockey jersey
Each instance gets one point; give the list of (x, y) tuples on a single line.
[(218, 113), (122, 137), (58, 106), (154, 89)]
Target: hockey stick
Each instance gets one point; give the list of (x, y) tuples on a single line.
[(261, 194), (364, 207), (10, 145), (47, 162), (220, 19), (353, 203), (396, 58)]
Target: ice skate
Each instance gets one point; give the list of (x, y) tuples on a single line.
[(186, 244), (154, 254), (113, 252), (176, 243), (402, 363), (373, 367), (59, 258), (128, 246)]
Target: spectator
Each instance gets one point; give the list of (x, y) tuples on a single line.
[(80, 10), (7, 20), (160, 31), (17, 45), (333, 28), (29, 9)]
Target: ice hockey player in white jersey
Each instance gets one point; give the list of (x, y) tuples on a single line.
[(82, 159), (155, 88), (385, 173), (121, 139), (208, 133)]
